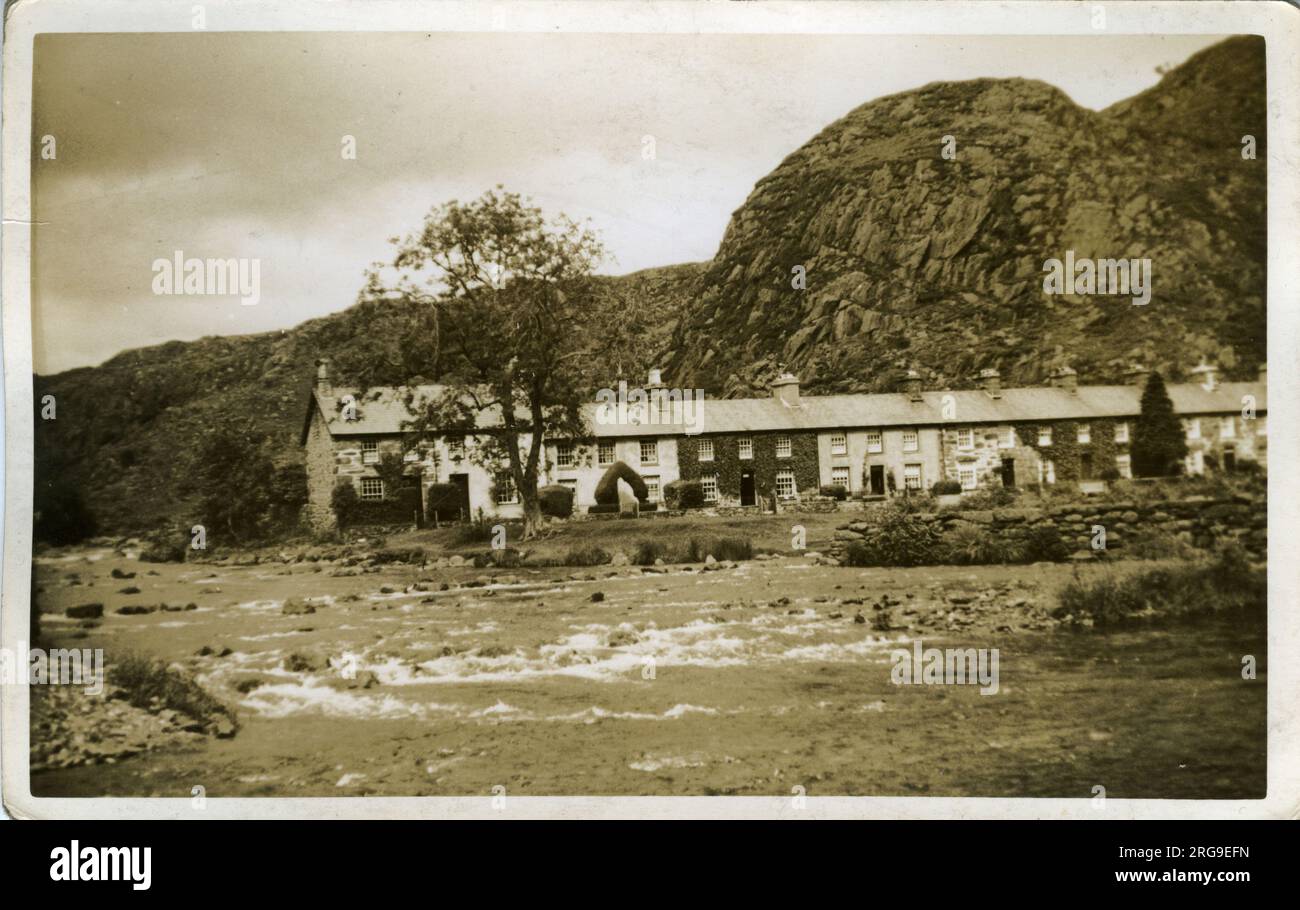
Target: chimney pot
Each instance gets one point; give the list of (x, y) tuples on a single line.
[(1209, 375), (1136, 374), (1263, 374), (323, 374), (656, 377), (1066, 378), (912, 385), (785, 388), (991, 381)]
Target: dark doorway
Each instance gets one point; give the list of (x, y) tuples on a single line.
[(462, 481), (1229, 459), (1008, 472), (877, 480), (1085, 466), (747, 488)]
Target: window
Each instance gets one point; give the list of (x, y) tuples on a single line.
[(369, 452), (649, 451), (966, 474), (1006, 437), (706, 450), (911, 441), (1085, 434), (505, 489), (840, 476), (1044, 436), (564, 454), (1051, 471), (785, 483), (783, 447), (604, 453), (875, 442), (839, 444), (372, 488), (1124, 464), (1085, 466), (966, 438), (456, 448), (411, 456), (745, 446), (911, 477), (1121, 431), (1194, 428), (709, 482), (1196, 462), (1227, 427), (652, 488)]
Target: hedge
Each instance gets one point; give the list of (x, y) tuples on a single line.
[(607, 488), (684, 494), (556, 500)]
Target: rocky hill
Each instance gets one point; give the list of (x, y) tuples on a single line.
[(914, 260), (911, 260)]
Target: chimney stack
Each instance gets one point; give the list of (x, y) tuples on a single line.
[(785, 388), (1136, 375), (991, 382), (1066, 378), (1263, 374), (322, 383), (1208, 376), (656, 378), (912, 385)]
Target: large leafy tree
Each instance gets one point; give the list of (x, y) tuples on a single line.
[(1159, 444), (510, 293)]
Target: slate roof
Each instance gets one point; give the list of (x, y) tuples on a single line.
[(382, 410)]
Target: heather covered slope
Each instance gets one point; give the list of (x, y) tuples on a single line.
[(914, 260)]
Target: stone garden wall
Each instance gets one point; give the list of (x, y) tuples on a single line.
[(1198, 521)]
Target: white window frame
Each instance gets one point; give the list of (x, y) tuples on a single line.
[(784, 447), (456, 448), (376, 489), (840, 475), (1051, 471), (1044, 435), (1007, 437), (839, 444), (652, 487), (967, 472), (1228, 427), (965, 437), (709, 483), (1083, 434), (603, 448), (786, 474), (705, 452), (875, 441), (504, 480), (369, 451), (911, 441), (654, 451), (1194, 428), (564, 455), (1124, 464), (912, 472), (1121, 431), (745, 448)]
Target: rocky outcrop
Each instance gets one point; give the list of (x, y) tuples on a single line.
[(913, 259)]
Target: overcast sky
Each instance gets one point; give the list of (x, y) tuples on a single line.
[(228, 145)]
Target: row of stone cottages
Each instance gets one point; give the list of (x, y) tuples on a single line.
[(790, 445)]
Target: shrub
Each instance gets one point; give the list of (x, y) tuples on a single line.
[(684, 494), (555, 500), (902, 538), (1154, 543), (720, 548), (969, 545), (61, 513), (401, 507), (1044, 544), (163, 550), (1225, 584), (480, 530), (443, 502), (836, 491), (647, 551), (946, 487), (1110, 475), (607, 486), (586, 556), (144, 682), (989, 498)]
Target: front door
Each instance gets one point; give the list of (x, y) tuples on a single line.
[(462, 481), (877, 480), (1008, 472), (1229, 459), (747, 488)]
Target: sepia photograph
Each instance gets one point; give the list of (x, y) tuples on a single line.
[(507, 412)]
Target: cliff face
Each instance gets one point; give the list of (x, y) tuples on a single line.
[(912, 259)]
